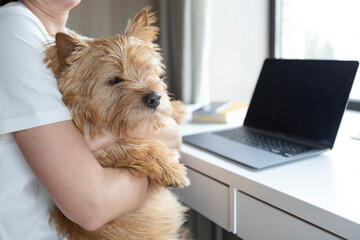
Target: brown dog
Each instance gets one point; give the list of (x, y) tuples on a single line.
[(115, 85)]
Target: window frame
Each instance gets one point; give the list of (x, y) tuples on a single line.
[(274, 42)]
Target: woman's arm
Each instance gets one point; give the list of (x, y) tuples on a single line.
[(84, 191)]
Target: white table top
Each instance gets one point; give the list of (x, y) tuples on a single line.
[(323, 190)]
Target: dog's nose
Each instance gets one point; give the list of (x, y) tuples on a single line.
[(152, 100)]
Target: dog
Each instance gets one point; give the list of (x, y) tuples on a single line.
[(116, 85)]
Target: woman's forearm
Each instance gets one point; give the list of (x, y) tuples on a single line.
[(85, 192), (119, 192)]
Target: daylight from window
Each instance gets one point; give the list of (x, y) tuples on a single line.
[(321, 29)]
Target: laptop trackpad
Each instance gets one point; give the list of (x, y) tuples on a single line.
[(244, 154)]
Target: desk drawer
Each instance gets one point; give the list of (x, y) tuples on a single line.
[(258, 220), (208, 197)]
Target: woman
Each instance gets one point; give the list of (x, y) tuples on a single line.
[(43, 156)]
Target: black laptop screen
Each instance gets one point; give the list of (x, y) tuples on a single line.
[(303, 98)]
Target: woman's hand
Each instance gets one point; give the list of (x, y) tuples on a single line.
[(98, 142), (169, 135)]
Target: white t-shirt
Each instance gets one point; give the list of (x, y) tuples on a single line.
[(28, 98)]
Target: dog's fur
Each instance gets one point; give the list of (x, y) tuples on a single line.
[(103, 83)]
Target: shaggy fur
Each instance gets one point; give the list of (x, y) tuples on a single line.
[(103, 83)]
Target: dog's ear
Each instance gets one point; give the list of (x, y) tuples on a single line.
[(140, 26), (66, 45)]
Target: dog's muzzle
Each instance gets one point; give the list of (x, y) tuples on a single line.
[(152, 100)]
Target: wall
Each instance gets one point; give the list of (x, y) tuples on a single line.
[(94, 18)]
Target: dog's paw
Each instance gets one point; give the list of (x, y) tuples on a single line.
[(178, 177), (175, 157)]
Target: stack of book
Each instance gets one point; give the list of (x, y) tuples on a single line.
[(221, 112)]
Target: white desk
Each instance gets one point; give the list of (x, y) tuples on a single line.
[(314, 198)]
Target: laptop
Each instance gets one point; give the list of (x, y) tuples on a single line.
[(295, 112)]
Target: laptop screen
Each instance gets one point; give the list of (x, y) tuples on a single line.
[(302, 98)]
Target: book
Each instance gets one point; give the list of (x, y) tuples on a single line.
[(221, 112)]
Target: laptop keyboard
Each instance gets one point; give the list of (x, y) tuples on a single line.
[(265, 142)]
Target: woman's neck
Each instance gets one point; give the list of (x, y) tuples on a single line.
[(53, 20)]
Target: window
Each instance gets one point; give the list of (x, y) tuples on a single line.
[(321, 29)]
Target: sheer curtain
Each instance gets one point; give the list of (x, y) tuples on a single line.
[(184, 39)]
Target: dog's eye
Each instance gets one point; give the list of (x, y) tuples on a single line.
[(115, 80)]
